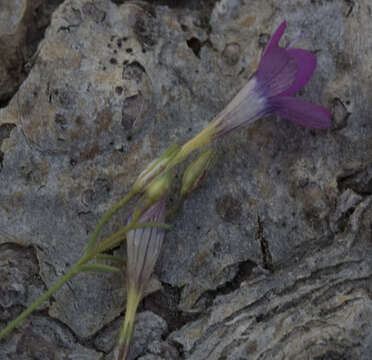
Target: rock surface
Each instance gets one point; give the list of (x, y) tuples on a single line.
[(22, 25), (271, 258)]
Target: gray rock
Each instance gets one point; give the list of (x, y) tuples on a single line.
[(112, 86), (43, 338), (19, 279), (22, 25), (147, 335)]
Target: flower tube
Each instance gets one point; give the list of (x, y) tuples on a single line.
[(281, 73), (143, 249)]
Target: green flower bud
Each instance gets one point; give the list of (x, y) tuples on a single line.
[(155, 168), (196, 171), (158, 188)]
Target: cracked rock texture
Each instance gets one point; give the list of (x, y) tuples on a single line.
[(22, 24), (270, 259)]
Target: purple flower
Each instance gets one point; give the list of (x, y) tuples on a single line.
[(281, 73), (143, 248)]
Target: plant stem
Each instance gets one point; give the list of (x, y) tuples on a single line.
[(126, 332), (68, 276), (105, 219), (201, 139)]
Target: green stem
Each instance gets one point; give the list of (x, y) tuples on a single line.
[(201, 139), (126, 331), (68, 276), (117, 238), (105, 219)]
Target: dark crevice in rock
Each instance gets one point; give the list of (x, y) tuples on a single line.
[(5, 131), (349, 7), (179, 347), (165, 304), (17, 60), (331, 355), (243, 273), (195, 45), (343, 221), (267, 259), (340, 112), (359, 181)]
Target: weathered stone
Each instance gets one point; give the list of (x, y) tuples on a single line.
[(19, 279), (44, 338), (148, 330), (302, 311), (133, 78), (22, 25)]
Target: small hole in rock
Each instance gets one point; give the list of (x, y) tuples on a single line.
[(119, 90), (195, 45)]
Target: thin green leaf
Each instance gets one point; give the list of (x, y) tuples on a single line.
[(150, 224), (113, 258), (98, 268)]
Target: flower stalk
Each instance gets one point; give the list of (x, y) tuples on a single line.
[(143, 249)]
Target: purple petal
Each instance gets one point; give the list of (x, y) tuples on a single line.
[(274, 41), (302, 112), (306, 64), (276, 72)]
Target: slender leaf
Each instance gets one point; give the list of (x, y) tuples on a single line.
[(113, 258), (98, 268)]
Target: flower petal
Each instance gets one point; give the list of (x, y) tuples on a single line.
[(306, 64), (276, 72), (302, 112), (143, 247), (274, 41)]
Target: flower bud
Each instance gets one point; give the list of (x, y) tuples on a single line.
[(155, 168), (196, 171), (158, 188)]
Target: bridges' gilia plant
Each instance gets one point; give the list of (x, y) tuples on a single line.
[(281, 73)]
